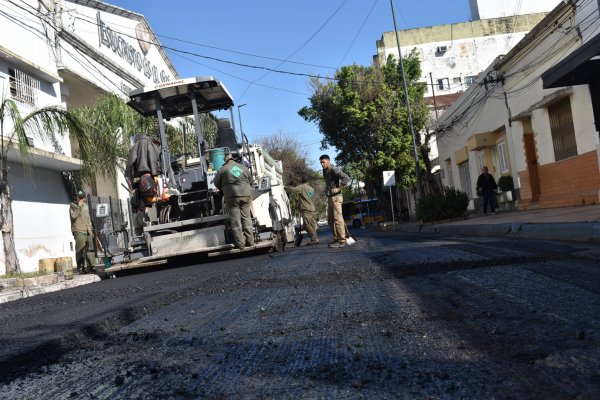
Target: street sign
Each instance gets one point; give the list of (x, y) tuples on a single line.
[(389, 178)]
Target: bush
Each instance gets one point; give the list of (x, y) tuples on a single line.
[(506, 183), (449, 203)]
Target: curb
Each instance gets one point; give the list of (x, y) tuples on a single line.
[(573, 231), (12, 291)]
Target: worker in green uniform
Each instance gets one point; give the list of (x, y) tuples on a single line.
[(81, 226), (307, 208), (235, 182)]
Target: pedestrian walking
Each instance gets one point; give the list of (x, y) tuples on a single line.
[(487, 187), (306, 207), (335, 180), (235, 182), (81, 227)]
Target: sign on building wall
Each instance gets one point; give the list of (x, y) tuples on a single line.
[(134, 54)]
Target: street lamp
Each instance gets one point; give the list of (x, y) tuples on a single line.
[(240, 119)]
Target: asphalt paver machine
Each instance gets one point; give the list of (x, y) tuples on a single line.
[(187, 214)]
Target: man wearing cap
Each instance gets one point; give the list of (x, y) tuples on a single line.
[(307, 208), (235, 181), (81, 226)]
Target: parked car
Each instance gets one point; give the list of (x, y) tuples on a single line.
[(321, 222)]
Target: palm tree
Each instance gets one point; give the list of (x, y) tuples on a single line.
[(47, 123)]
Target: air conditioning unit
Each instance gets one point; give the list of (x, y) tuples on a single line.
[(442, 49)]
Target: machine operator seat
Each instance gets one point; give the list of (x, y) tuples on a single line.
[(226, 135)]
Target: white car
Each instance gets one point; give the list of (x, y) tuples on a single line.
[(321, 222)]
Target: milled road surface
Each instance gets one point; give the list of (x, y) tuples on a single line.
[(393, 316)]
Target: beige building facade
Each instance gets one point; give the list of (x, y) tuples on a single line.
[(532, 117)]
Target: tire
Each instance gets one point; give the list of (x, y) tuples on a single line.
[(357, 223)]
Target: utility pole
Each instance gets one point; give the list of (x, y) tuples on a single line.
[(240, 119), (410, 121), (434, 102)]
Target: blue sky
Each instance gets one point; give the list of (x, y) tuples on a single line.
[(299, 37)]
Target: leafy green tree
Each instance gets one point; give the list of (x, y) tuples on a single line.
[(363, 114), (48, 123)]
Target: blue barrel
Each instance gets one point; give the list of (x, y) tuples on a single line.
[(217, 157)]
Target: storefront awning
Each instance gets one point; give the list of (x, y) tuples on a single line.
[(578, 68)]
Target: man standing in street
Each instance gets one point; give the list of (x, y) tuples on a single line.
[(486, 187), (81, 226), (335, 180), (235, 182), (307, 208)]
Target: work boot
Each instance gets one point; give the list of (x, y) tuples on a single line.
[(312, 242), (337, 245)]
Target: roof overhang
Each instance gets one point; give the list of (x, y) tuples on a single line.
[(578, 68), (481, 141), (175, 97), (39, 158)]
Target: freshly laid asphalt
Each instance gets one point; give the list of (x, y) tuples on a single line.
[(578, 223)]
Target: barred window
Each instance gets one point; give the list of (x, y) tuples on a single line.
[(23, 87), (562, 129)]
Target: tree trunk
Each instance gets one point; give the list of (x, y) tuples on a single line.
[(11, 261)]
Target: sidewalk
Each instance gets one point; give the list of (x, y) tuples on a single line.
[(14, 289), (581, 223)]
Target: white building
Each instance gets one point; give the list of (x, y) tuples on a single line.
[(66, 52), (535, 116), (453, 55)]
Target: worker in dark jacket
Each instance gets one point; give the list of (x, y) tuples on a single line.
[(144, 158), (235, 181), (486, 187), (307, 208), (335, 180)]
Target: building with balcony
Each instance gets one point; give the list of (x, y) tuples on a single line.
[(65, 52)]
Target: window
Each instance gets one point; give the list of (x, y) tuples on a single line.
[(470, 80), (480, 160), (443, 84), (465, 179), (449, 174), (23, 87), (503, 158), (562, 129), (426, 87)]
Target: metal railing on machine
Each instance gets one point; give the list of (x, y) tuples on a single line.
[(111, 219)]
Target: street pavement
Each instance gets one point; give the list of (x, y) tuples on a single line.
[(578, 223)]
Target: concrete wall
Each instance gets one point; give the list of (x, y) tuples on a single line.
[(485, 9), (42, 224), (470, 48)]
